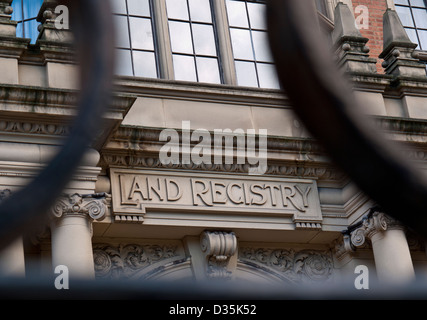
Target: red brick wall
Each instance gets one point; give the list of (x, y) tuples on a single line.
[(375, 31)]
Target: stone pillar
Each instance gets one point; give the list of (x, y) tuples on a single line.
[(71, 230), (11, 47), (349, 44), (12, 260), (391, 250)]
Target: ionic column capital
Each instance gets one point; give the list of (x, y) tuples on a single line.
[(371, 225), (76, 205)]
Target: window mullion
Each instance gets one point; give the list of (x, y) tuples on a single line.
[(163, 40), (224, 42)]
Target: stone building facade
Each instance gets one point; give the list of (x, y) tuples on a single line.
[(186, 71)]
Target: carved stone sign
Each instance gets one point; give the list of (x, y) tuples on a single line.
[(136, 191)]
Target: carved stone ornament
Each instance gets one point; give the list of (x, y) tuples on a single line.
[(77, 205), (218, 247), (378, 222), (306, 266), (126, 261)]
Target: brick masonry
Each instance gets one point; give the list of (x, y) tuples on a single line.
[(375, 30)]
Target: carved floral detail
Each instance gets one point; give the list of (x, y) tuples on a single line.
[(125, 261), (301, 266), (75, 204)]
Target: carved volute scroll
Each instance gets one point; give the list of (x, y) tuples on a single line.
[(218, 247), (77, 205)]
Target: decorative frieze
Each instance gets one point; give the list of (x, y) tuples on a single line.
[(127, 261), (218, 247), (305, 266), (78, 205), (288, 169)]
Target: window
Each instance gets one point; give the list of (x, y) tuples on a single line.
[(25, 13), (413, 14), (193, 40), (251, 51), (135, 41)]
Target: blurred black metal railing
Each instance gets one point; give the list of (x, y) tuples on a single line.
[(322, 100)]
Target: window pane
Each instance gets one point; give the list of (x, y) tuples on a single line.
[(405, 16), (118, 6), (257, 16), (123, 63), (261, 46), (208, 70), (237, 15), (267, 76), (177, 9), (242, 45), (246, 74), (139, 8), (181, 37), (122, 31), (420, 16), (144, 64), (418, 3), (204, 40), (184, 67), (412, 34), (141, 33), (200, 10), (401, 2), (423, 38)]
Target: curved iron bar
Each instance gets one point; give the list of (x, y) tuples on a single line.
[(93, 29), (325, 103)]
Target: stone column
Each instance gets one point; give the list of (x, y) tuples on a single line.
[(391, 250), (71, 230), (12, 260)]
